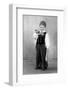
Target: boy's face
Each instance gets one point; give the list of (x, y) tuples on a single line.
[(42, 28)]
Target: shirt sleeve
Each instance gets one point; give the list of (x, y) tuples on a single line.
[(47, 40), (35, 36)]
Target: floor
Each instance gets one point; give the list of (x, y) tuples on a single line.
[(29, 67)]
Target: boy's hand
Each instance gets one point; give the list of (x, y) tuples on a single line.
[(37, 31)]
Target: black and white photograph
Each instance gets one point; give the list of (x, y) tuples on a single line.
[(39, 44)]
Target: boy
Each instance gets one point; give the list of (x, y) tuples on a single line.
[(42, 43)]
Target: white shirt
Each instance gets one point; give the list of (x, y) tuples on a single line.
[(35, 36)]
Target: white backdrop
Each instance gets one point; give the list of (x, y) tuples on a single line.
[(4, 38)]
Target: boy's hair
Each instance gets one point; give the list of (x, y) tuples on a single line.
[(43, 23)]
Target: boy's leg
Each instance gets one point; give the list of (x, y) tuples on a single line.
[(37, 55), (40, 61), (43, 54)]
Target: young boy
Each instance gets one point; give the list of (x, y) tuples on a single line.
[(42, 44)]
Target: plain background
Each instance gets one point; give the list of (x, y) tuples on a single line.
[(4, 44)]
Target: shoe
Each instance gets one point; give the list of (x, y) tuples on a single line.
[(43, 69), (38, 68)]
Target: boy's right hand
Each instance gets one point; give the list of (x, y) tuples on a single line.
[(37, 31)]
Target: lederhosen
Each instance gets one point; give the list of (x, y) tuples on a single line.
[(41, 51)]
